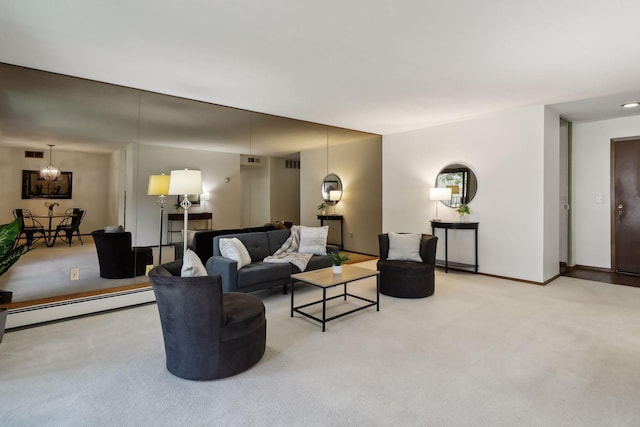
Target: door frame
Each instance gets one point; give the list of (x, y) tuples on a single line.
[(612, 195)]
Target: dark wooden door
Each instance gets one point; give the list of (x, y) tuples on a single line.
[(626, 206)]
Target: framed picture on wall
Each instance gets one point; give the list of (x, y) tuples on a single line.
[(34, 187)]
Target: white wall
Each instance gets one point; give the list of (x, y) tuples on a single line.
[(90, 184), (591, 150), (285, 191), (359, 166), (506, 150), (255, 195), (224, 200)]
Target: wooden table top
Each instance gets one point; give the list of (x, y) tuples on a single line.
[(324, 277)]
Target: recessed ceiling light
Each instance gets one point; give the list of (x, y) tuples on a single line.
[(631, 104)]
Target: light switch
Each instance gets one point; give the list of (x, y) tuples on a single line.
[(599, 199)]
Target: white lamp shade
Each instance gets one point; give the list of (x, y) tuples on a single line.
[(158, 185), (440, 193), (335, 195), (185, 181)]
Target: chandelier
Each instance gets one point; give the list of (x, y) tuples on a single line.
[(49, 173)]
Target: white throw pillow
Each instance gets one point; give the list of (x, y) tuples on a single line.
[(404, 247), (192, 266), (313, 240), (113, 229), (234, 249)]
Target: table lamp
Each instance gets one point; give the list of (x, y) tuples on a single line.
[(335, 196), (439, 194)]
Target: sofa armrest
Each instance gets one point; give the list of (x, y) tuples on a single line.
[(227, 269), (333, 248)]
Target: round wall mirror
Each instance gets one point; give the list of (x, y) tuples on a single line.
[(331, 189), (461, 180)]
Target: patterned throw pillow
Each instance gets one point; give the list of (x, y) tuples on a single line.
[(404, 247), (192, 266), (234, 249), (313, 240)]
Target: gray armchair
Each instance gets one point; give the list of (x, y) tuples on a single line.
[(207, 334), (407, 279), (117, 259)]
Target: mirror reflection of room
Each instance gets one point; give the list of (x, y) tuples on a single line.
[(256, 169), (462, 182)]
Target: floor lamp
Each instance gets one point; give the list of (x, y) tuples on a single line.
[(159, 186), (183, 183), (439, 194)]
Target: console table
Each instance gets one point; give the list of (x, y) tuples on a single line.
[(196, 216), (456, 226), (338, 218)]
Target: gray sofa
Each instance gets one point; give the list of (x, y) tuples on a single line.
[(259, 275)]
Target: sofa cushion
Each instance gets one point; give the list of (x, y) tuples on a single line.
[(316, 262), (313, 240), (276, 239), (260, 272), (192, 266), (256, 243), (404, 247), (234, 249)]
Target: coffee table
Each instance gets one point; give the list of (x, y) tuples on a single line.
[(325, 279)]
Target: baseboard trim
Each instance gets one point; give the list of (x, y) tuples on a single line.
[(531, 282), (71, 308)]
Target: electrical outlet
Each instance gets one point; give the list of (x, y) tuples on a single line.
[(75, 274)]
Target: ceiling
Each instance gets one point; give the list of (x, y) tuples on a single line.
[(374, 66)]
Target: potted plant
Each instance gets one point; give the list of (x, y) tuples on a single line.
[(463, 210), (337, 259), (322, 207), (10, 252)]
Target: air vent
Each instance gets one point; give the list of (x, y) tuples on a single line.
[(34, 154), (246, 160), (292, 164)]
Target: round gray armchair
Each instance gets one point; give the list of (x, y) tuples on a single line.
[(408, 279), (207, 334)]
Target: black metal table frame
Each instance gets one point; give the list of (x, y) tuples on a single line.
[(446, 225), (324, 300)]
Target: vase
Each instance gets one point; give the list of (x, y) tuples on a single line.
[(337, 269), (50, 212), (464, 218)]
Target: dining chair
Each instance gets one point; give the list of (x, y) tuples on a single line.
[(70, 225), (29, 226)]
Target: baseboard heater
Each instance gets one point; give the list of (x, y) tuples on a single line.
[(59, 310)]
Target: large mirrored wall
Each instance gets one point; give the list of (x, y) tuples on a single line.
[(113, 138)]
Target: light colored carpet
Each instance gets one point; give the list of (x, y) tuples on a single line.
[(44, 272), (480, 352)]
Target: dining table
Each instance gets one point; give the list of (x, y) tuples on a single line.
[(50, 238)]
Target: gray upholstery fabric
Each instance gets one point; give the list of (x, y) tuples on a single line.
[(207, 334), (407, 279), (276, 239), (117, 259), (259, 275)]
